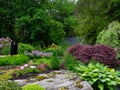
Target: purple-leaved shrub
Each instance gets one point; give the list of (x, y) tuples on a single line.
[(101, 53)]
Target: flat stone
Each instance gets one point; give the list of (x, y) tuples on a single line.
[(61, 79)]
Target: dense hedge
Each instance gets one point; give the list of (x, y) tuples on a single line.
[(101, 53)]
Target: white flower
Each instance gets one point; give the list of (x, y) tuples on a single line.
[(32, 66)]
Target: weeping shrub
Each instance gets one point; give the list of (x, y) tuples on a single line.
[(110, 36), (101, 53)]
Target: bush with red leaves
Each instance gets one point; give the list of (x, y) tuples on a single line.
[(101, 53)]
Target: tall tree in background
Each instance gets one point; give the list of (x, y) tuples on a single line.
[(63, 11), (36, 21), (114, 10), (93, 18)]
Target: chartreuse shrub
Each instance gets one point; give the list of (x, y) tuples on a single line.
[(99, 76), (101, 53), (32, 87), (9, 85), (110, 36), (25, 47), (13, 60)]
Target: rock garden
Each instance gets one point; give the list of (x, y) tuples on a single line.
[(80, 67)]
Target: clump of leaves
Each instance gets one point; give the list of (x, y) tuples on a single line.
[(7, 74), (9, 85), (43, 67), (25, 47), (26, 72), (13, 60), (99, 76), (32, 87), (78, 85), (101, 53), (39, 78)]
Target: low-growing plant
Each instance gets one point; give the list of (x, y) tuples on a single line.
[(26, 71), (41, 61), (101, 53), (32, 87), (99, 76), (13, 60), (7, 74), (24, 47), (43, 67), (9, 85)]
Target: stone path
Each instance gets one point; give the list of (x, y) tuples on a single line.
[(59, 80)]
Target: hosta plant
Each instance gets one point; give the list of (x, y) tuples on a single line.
[(99, 76)]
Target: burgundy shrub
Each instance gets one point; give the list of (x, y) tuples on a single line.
[(101, 53)]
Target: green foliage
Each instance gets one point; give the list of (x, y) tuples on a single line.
[(92, 19), (5, 50), (54, 62), (24, 47), (41, 61), (26, 71), (69, 25), (9, 85), (56, 32), (110, 35), (114, 10), (7, 74), (5, 42), (99, 76), (70, 62), (13, 60), (40, 21), (32, 87)]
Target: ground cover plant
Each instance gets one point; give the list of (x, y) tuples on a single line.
[(9, 85), (32, 87), (101, 53), (13, 60)]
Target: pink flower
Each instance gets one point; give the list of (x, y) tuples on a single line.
[(26, 65), (22, 67)]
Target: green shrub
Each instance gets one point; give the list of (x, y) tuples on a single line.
[(13, 60), (99, 76), (70, 62), (25, 47), (54, 63), (110, 36), (9, 85), (6, 50), (32, 87)]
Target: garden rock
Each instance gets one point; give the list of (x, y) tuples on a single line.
[(59, 80)]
